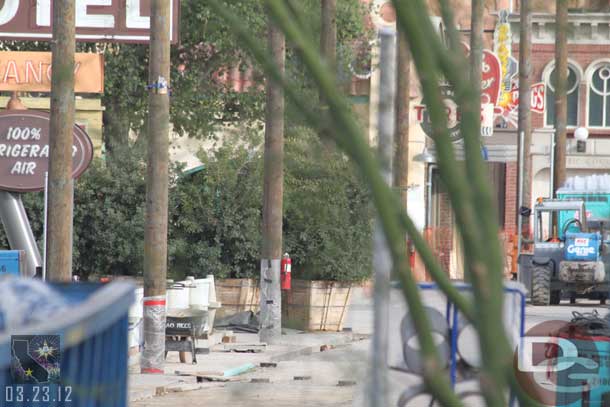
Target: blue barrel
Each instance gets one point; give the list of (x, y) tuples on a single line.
[(93, 343)]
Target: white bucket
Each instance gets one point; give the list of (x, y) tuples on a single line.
[(200, 294), (136, 310), (178, 296), (135, 333)]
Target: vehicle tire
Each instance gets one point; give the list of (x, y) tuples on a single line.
[(555, 297), (541, 285)]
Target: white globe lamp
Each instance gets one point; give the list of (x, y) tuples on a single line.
[(581, 135)]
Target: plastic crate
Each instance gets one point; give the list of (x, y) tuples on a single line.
[(94, 348)]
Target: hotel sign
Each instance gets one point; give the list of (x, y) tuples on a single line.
[(31, 72), (96, 20)]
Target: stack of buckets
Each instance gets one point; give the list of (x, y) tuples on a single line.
[(199, 294)]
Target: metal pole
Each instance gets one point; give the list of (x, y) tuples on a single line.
[(18, 231), (429, 185), (46, 219), (61, 185), (273, 192), (382, 262), (525, 122), (552, 166), (155, 235), (520, 203)]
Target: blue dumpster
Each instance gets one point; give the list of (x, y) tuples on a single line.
[(93, 342)]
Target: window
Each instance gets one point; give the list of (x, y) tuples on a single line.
[(573, 82), (599, 97)]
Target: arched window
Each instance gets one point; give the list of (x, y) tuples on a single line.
[(599, 96), (573, 82)]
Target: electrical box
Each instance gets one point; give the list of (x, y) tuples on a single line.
[(12, 262)]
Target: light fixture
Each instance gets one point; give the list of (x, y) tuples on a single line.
[(425, 157), (14, 103), (581, 135)]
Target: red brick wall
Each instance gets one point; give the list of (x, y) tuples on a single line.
[(583, 55), (510, 199), (444, 238)]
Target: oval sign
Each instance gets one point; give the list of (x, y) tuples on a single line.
[(24, 150)]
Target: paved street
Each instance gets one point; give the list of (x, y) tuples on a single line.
[(323, 370)]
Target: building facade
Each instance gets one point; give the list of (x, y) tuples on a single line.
[(588, 106)]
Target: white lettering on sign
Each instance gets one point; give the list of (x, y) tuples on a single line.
[(93, 20), (581, 251), (25, 151), (8, 11), (538, 98), (134, 18), (11, 72), (43, 17), (23, 168), (114, 20), (29, 68)]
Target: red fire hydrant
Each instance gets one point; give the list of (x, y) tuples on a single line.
[(285, 270)]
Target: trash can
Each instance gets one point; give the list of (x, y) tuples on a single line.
[(93, 345)]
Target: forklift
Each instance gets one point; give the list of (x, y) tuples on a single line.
[(570, 258)]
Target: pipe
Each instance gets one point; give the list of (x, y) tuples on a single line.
[(18, 230), (46, 218), (382, 261), (431, 168), (552, 166)]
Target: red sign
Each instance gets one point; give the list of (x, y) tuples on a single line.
[(24, 150), (537, 102), (491, 77), (96, 20)]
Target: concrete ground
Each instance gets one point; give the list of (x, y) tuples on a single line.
[(304, 376)]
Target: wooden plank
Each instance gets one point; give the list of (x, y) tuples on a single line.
[(199, 373), (243, 347)]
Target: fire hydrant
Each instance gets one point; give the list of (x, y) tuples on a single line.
[(285, 270)]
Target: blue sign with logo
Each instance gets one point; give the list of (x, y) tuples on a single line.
[(582, 246)]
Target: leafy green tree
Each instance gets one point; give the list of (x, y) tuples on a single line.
[(108, 218), (207, 48), (327, 215), (217, 213)]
